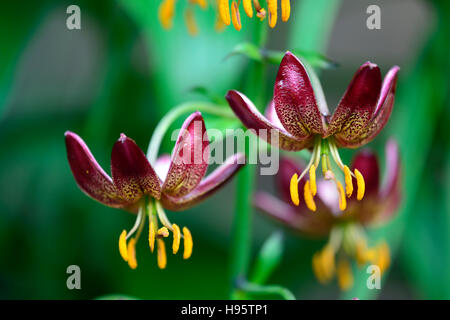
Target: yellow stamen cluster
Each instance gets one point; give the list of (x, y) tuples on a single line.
[(234, 16), (324, 265), (310, 187), (166, 13), (378, 255), (344, 274)]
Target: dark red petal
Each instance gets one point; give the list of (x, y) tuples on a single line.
[(272, 116), (366, 162), (88, 174), (382, 111), (189, 160), (357, 106), (131, 172), (207, 186), (162, 166), (299, 219), (253, 119), (294, 99)]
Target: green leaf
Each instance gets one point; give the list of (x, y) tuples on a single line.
[(256, 290), (269, 258)]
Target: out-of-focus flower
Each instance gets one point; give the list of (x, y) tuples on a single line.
[(300, 118), (347, 239), (176, 183), (167, 12)]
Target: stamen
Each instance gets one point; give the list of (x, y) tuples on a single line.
[(123, 245), (224, 10), (166, 12), (162, 257), (176, 238), (309, 200), (163, 232), (236, 16), (162, 216), (342, 199), (361, 184), (317, 268), (324, 165), (348, 181), (248, 8), (285, 10), (132, 254), (361, 252), (191, 24), (151, 236), (261, 14), (272, 6), (188, 243), (312, 178), (294, 189), (344, 275), (328, 263), (383, 257)]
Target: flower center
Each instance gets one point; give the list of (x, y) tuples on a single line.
[(323, 149), (157, 234)]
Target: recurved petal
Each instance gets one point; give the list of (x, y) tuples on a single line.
[(272, 116), (299, 218), (162, 166), (382, 111), (88, 174), (131, 172), (189, 160), (246, 111), (207, 186), (357, 105), (294, 99)]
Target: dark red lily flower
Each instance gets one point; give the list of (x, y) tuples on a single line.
[(298, 118), (176, 183), (345, 229)]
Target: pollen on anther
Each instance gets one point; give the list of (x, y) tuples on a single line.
[(224, 11), (123, 245), (236, 16), (361, 184), (309, 199), (132, 253), (176, 238), (151, 236), (188, 243), (294, 189), (163, 232), (272, 7), (248, 8), (342, 199), (348, 181), (162, 257), (285, 10), (312, 179)]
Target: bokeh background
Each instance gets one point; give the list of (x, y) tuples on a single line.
[(122, 72)]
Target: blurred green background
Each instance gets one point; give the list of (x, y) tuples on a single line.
[(122, 72)]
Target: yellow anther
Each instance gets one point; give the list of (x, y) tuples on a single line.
[(248, 8), (361, 252), (123, 245), (294, 189), (312, 179), (383, 258), (163, 232), (342, 199), (132, 253), (328, 264), (309, 199), (166, 12), (272, 7), (201, 3), (348, 181), (188, 244), (344, 275), (236, 16), (191, 24), (162, 257), (317, 268), (176, 238), (285, 10), (261, 14), (151, 236), (224, 11), (361, 184)]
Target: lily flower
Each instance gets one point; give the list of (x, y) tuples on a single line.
[(175, 183), (298, 118), (346, 230)]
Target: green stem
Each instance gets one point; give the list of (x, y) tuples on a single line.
[(256, 289), (169, 118)]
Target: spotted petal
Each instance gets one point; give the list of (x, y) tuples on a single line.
[(207, 186), (131, 172), (246, 111), (357, 105), (189, 160), (294, 99), (88, 174)]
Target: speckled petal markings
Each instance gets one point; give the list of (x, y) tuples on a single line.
[(131, 171), (294, 99)]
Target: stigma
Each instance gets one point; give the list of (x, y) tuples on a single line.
[(156, 235), (323, 151)]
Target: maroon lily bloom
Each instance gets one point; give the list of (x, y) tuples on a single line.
[(298, 118), (346, 229), (177, 183)]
